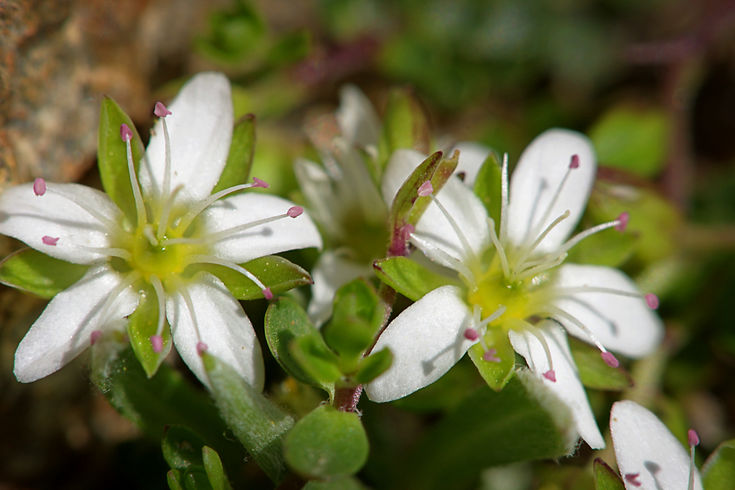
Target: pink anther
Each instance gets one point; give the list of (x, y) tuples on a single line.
[(160, 110), (39, 187)]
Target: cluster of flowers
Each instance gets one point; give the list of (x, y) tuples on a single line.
[(508, 287)]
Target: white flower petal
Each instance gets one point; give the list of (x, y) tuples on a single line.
[(219, 322), (398, 169), (644, 446), (536, 181), (200, 130), (331, 271), (426, 340), (568, 386), (356, 117), (273, 237), (63, 330), (69, 212), (354, 184), (621, 323), (317, 188), (471, 157), (465, 236)]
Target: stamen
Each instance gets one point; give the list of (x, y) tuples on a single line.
[(148, 233), (471, 334), (107, 223), (650, 298), (205, 203), (166, 212), (493, 316), (127, 134), (426, 189), (609, 359), (490, 355), (632, 478), (201, 348), (622, 221), (693, 442), (39, 187), (455, 227), (161, 297), (499, 248), (267, 294), (504, 198), (550, 374), (49, 240), (573, 164), (526, 252), (606, 355), (617, 223), (542, 266), (652, 301), (94, 336), (456, 264), (260, 183), (295, 211), (161, 110), (156, 343), (211, 259)]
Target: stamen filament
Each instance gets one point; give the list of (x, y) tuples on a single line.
[(457, 231), (540, 238), (550, 374), (166, 212), (167, 149), (499, 248), (108, 223), (543, 266), (693, 442), (210, 259), (563, 314), (504, 198), (456, 264), (137, 196), (109, 252), (221, 235), (559, 188), (161, 296), (205, 203), (587, 233)]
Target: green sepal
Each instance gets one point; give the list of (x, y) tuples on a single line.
[(316, 359), (275, 272), (373, 366), (240, 158), (495, 374), (594, 372), (404, 126), (112, 156), (488, 187), (408, 277), (256, 421), (605, 477), (357, 316), (142, 325), (38, 273), (285, 320), (718, 472), (214, 469), (327, 443)]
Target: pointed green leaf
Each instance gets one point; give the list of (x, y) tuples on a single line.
[(718, 473), (215, 470), (286, 320), (275, 272), (37, 273), (357, 316), (488, 187), (174, 480), (316, 359), (404, 126), (496, 374), (256, 421), (606, 478), (409, 278), (593, 371), (112, 157), (142, 325), (327, 443), (240, 158), (373, 366)]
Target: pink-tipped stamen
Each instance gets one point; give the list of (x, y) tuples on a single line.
[(490, 355), (609, 359), (201, 348), (295, 211), (161, 110), (426, 189), (157, 343), (632, 478), (94, 336), (693, 438), (693, 442), (260, 183), (49, 240), (126, 134), (622, 221), (39, 187), (550, 375), (574, 162), (652, 301), (471, 334), (268, 294)]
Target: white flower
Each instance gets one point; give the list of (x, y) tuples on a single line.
[(648, 455), (514, 282), (178, 224)]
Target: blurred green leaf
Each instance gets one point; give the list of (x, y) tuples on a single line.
[(488, 187), (173, 478), (605, 477), (182, 449), (316, 359), (404, 126), (233, 34), (257, 422), (142, 325), (632, 138), (495, 374), (240, 157), (373, 366), (112, 157), (718, 473), (339, 483), (215, 470), (37, 273), (408, 277), (594, 372), (327, 443)]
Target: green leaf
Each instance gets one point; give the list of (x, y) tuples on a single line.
[(593, 371), (718, 473), (142, 325), (488, 187), (256, 421), (182, 448), (357, 316), (495, 374), (112, 157), (275, 272), (315, 358), (173, 478), (373, 366), (215, 470), (37, 273), (408, 277), (339, 483), (404, 126), (605, 477), (327, 443), (285, 320), (522, 422), (240, 158), (632, 138)]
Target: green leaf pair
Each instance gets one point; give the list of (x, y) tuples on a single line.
[(194, 465)]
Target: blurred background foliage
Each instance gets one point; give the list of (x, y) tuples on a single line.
[(651, 82)]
